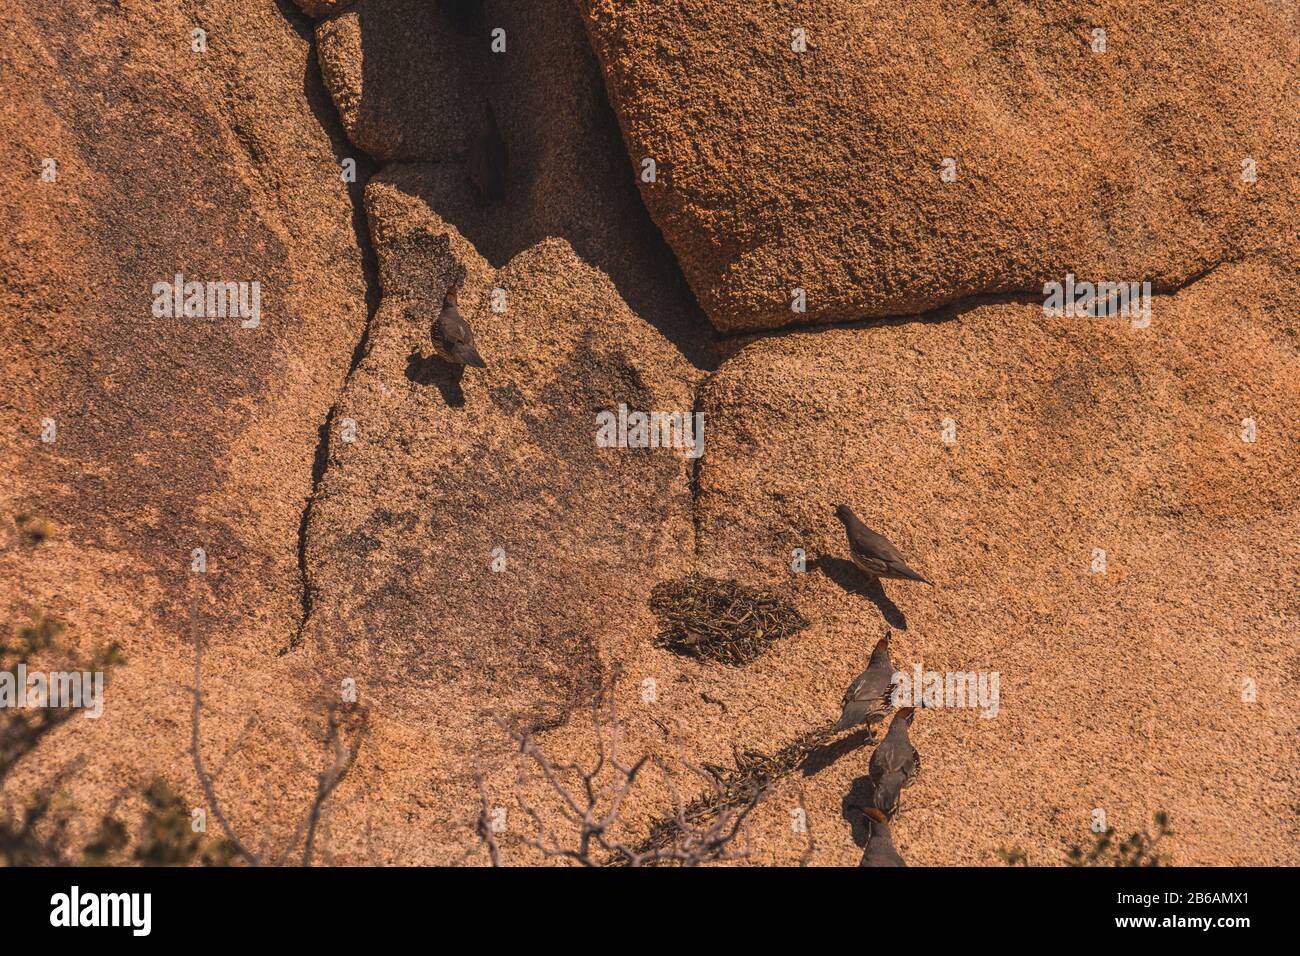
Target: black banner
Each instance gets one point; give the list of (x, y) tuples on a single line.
[(334, 906)]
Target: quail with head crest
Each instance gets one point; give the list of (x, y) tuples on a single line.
[(873, 553), (879, 850), (867, 698), (894, 764), (453, 339)]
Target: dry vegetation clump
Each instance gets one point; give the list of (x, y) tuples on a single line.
[(34, 833), (754, 774), (722, 621), (1138, 849), (166, 836), (34, 830), (22, 728), (590, 799)]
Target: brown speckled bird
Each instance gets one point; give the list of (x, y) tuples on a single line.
[(452, 337), (879, 850), (873, 553), (867, 698), (895, 763)]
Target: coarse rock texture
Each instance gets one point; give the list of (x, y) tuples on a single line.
[(596, 314), (172, 433), (1120, 690), (820, 169), (467, 547), (378, 62), (352, 490)]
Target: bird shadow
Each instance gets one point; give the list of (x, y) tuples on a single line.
[(847, 576), (822, 757), (435, 370), (861, 795)]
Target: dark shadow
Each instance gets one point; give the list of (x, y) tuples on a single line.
[(437, 371), (822, 757), (568, 172), (508, 397), (861, 794), (319, 463), (846, 575), (302, 24), (466, 16)]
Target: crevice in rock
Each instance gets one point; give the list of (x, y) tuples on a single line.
[(693, 466), (946, 312), (327, 115), (942, 313), (731, 342)]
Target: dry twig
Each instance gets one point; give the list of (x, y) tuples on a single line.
[(721, 621), (344, 756), (592, 799)]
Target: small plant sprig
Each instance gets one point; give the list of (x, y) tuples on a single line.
[(1139, 849)]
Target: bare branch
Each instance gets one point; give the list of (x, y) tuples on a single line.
[(484, 825), (811, 848), (209, 794), (592, 800), (344, 756), (328, 780)]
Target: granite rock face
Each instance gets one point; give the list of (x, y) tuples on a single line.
[(171, 433), (387, 61), (412, 82), (1099, 533), (1108, 511), (447, 468), (824, 170), (470, 539)]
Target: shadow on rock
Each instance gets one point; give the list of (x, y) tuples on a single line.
[(825, 755), (847, 576), (567, 171), (861, 794), (437, 371)]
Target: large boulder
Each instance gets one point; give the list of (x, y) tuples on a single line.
[(412, 81), (388, 60), (822, 170)]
